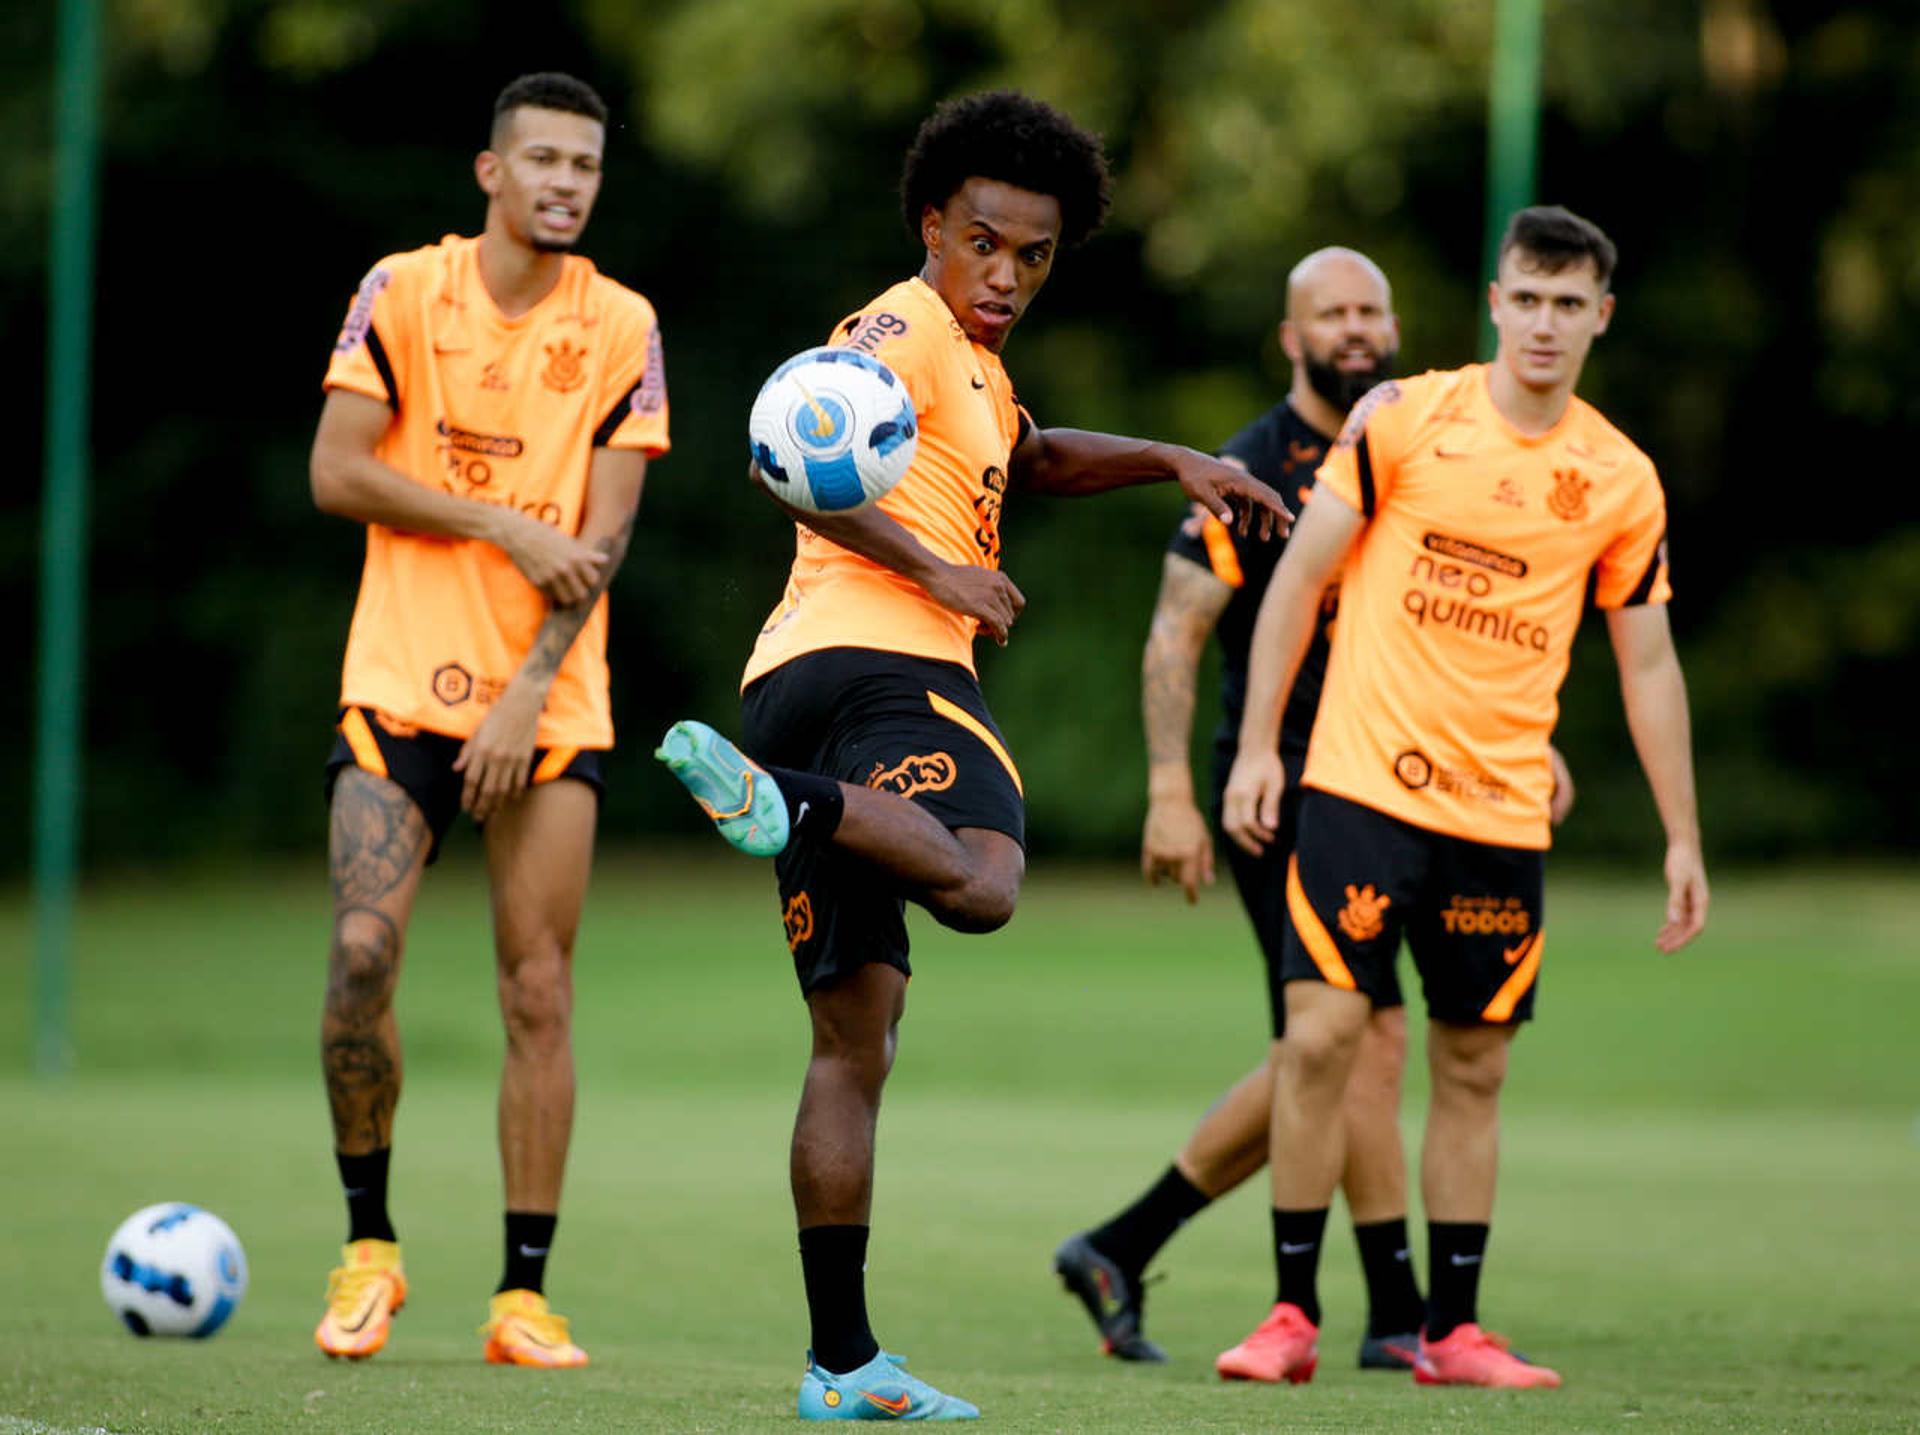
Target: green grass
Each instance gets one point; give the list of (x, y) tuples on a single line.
[(1709, 1208)]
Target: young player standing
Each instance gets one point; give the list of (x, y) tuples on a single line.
[(1473, 509), (884, 777), (491, 407)]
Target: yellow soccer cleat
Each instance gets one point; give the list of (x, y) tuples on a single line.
[(364, 1293), (520, 1330)]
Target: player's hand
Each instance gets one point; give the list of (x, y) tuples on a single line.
[(564, 569), (1251, 810), (1233, 495), (1561, 803), (1175, 843), (496, 760), (1686, 897), (984, 594)]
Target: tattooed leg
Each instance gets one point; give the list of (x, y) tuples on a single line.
[(377, 849)]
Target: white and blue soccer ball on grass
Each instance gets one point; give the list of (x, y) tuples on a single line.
[(173, 1269), (831, 430)]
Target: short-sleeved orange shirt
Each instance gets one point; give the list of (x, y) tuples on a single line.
[(504, 411), (950, 498), (1461, 597)]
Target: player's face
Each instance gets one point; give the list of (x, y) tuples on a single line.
[(1547, 322), (1340, 326), (989, 249), (543, 174)]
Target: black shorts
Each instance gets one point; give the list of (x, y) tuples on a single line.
[(421, 763), (1472, 912), (913, 726), (1262, 882)]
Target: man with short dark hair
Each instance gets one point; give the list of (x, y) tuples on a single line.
[(878, 775), (491, 407), (1473, 511)]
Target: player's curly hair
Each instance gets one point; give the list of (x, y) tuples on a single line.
[(549, 90), (1555, 237), (1016, 139)]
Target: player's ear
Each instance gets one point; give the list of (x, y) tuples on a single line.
[(1290, 341), (930, 228), (486, 172), (1605, 311), (1493, 297)]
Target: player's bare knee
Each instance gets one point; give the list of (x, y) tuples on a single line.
[(1317, 1052), (362, 963), (1471, 1068), (536, 997), (978, 907)]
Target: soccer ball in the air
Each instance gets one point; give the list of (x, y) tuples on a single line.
[(832, 429), (173, 1269)]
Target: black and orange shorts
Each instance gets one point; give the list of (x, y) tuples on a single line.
[(421, 764), (1262, 884), (913, 726), (1472, 912)]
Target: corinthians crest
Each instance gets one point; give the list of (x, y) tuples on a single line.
[(566, 367), (1569, 497)]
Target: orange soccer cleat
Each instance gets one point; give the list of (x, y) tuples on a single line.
[(521, 1330), (1472, 1356), (364, 1292), (1284, 1346)]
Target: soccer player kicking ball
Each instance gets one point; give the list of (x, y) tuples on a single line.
[(1341, 334), (1472, 509), (878, 775), (491, 407)]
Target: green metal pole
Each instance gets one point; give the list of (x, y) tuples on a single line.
[(63, 534), (1513, 129)]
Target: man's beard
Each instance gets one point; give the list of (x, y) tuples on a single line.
[(553, 246), (1343, 388)]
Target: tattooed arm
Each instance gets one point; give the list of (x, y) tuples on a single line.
[(1175, 842), (496, 758)]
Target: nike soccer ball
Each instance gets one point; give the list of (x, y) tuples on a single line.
[(173, 1269), (832, 429)]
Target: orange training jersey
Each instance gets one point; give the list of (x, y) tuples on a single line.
[(1461, 596), (950, 498), (505, 411)]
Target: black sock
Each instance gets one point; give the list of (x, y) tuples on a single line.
[(814, 803), (1455, 1251), (529, 1238), (833, 1261), (1135, 1236), (1296, 1258), (1394, 1306), (364, 1179)]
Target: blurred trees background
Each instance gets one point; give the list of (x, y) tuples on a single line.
[(1758, 163)]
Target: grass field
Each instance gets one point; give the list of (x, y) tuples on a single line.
[(1710, 1207)]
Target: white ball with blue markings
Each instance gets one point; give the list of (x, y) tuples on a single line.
[(832, 430), (173, 1269)]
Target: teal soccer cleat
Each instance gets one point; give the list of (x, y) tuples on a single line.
[(879, 1390), (744, 803)]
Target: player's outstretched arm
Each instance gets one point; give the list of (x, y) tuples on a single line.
[(983, 594), (350, 481), (1281, 634), (1072, 463), (1655, 693), (496, 759), (1175, 841)]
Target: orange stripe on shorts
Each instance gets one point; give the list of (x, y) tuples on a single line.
[(1313, 933), (1515, 986), (360, 741), (947, 708), (554, 763), (1220, 553)]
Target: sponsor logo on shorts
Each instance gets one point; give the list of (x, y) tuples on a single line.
[(798, 919), (452, 684), (1363, 918), (1489, 916), (933, 773), (1569, 497), (566, 366)]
